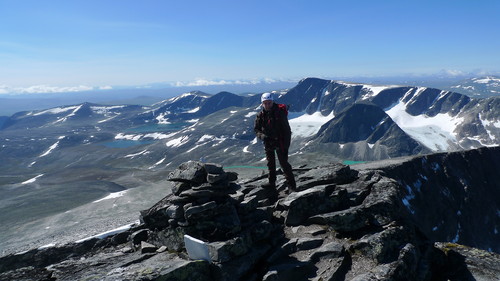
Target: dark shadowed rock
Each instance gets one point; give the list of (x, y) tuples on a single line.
[(350, 220), (139, 236), (312, 201), (147, 248), (469, 263), (333, 174), (328, 251)]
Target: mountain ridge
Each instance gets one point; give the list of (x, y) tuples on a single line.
[(366, 222), (449, 121)]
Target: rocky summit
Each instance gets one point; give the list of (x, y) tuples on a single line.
[(431, 217)]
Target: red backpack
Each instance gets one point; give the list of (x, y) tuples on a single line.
[(283, 107)]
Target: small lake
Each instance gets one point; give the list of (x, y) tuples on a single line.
[(349, 162), (159, 128)]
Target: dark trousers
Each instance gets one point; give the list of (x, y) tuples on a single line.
[(282, 152)]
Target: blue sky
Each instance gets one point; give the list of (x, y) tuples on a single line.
[(120, 42)]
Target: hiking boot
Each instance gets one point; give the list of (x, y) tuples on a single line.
[(282, 187), (292, 187), (269, 185)]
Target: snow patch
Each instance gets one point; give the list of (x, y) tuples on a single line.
[(105, 109), (47, 246), (32, 180), (122, 136), (155, 136), (457, 236), (194, 110), (162, 119), (488, 123), (178, 141), (193, 148), (107, 119), (56, 110), (112, 196), (436, 132), (373, 90), (207, 138), (487, 80), (408, 205), (51, 148), (73, 113), (407, 198), (306, 125), (109, 233), (157, 163), (250, 114), (174, 99), (144, 152)]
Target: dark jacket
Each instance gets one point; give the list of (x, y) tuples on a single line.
[(273, 128)]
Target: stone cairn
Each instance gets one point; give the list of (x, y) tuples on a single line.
[(207, 204)]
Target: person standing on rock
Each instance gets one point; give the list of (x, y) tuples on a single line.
[(272, 127)]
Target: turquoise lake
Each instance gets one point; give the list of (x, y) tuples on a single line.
[(159, 128), (125, 143)]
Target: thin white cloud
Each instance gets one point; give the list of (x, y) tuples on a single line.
[(453, 72), (44, 89), (3, 89), (207, 82)]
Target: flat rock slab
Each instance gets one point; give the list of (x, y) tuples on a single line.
[(117, 266)]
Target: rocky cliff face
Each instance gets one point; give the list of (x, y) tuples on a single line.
[(420, 218), (454, 196)]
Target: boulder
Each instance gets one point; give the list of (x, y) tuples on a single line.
[(312, 201), (333, 174), (460, 261), (227, 250), (147, 248), (191, 172), (345, 221), (139, 236)]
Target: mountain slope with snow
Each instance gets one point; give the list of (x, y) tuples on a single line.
[(484, 87), (85, 152), (439, 120)]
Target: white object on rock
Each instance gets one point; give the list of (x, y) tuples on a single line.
[(197, 249)]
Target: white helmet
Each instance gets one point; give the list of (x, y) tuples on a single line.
[(266, 96)]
